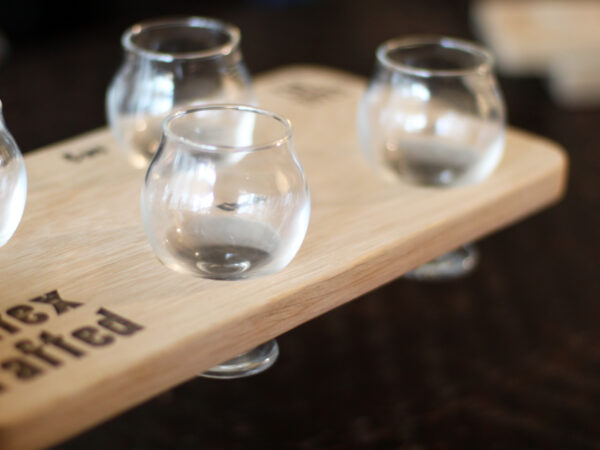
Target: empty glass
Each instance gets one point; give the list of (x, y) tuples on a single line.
[(226, 199), (13, 183), (170, 64), (433, 115)]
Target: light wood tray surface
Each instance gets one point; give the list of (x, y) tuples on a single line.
[(82, 237)]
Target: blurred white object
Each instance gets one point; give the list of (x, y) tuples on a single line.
[(525, 36), (554, 38), (574, 79)]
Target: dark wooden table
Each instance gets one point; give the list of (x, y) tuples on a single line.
[(508, 358)]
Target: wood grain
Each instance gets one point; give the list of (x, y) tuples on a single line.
[(81, 235)]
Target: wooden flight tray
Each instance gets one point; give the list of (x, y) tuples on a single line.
[(92, 324)]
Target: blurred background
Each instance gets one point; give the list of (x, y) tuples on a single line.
[(507, 358)]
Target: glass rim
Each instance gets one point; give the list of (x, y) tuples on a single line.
[(233, 33), (465, 46), (176, 114)]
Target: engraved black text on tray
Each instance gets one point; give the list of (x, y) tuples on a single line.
[(33, 356), (310, 93), (85, 154)]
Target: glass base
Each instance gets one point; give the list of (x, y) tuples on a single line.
[(247, 364), (455, 264)]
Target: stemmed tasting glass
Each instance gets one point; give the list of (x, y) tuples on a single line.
[(168, 64), (226, 199), (433, 115), (13, 183)]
